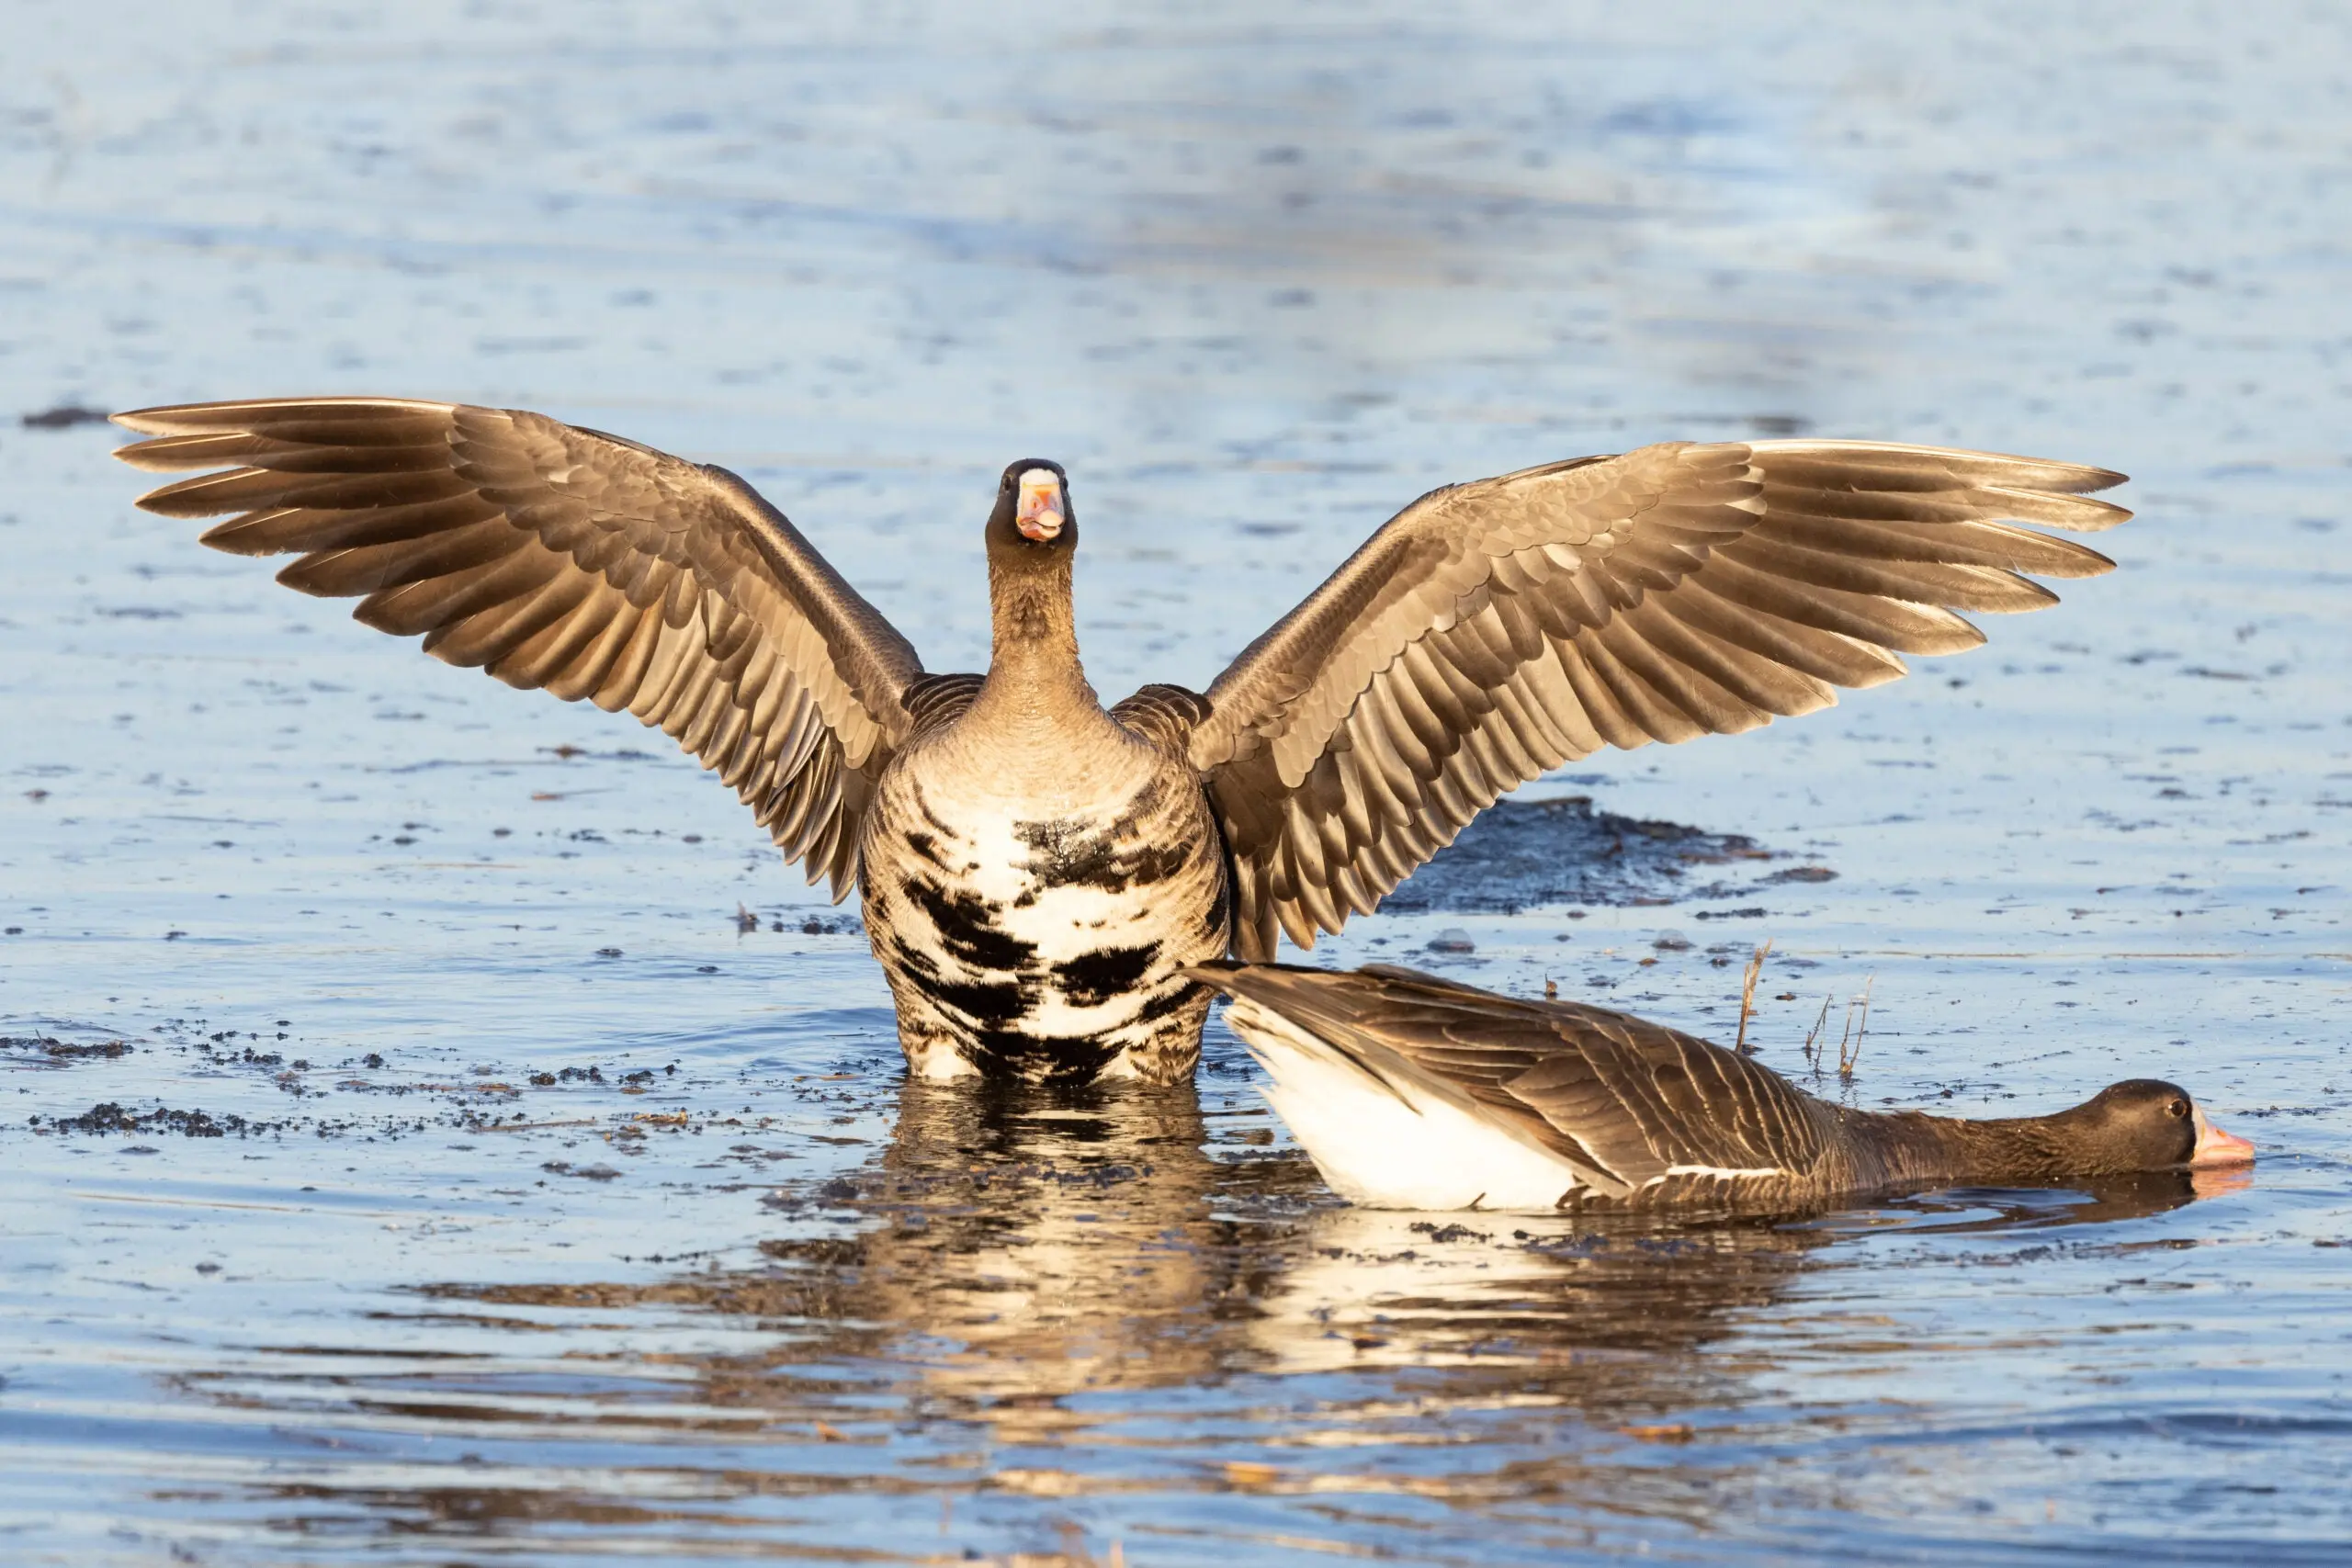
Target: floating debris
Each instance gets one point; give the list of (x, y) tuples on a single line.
[(108, 1117), (585, 1172), (64, 416)]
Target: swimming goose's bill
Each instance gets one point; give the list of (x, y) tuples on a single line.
[(1037, 871), (1409, 1091)]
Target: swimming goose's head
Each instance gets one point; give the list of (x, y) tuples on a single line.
[(2147, 1124), (1033, 508)]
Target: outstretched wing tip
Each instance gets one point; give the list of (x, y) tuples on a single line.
[(160, 420), (241, 414), (556, 559), (2077, 478)]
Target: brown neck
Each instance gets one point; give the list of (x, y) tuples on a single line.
[(1911, 1145), (1034, 669)]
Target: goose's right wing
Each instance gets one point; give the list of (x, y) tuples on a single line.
[(575, 562)]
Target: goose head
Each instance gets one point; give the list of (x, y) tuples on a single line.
[(2147, 1124), (1033, 517)]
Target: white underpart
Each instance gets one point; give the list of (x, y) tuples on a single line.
[(1379, 1151), (1065, 922)]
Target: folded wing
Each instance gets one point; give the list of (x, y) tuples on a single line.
[(1627, 1103), (574, 562), (1493, 630)]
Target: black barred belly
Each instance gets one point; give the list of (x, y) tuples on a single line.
[(1047, 949)]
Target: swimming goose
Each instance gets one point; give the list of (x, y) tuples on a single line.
[(1409, 1091), (1037, 871)]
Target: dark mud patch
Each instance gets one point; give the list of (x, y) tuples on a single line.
[(1526, 854), (65, 1051), (108, 1117), (585, 1172)]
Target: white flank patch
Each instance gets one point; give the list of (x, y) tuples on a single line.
[(1721, 1172), (1377, 1151)]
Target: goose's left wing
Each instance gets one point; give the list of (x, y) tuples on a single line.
[(1493, 630), (1628, 1104)]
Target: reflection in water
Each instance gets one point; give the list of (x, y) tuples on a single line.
[(1025, 1294), (1018, 1247), (1957, 1211)]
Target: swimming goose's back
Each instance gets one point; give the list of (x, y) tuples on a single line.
[(1409, 1091)]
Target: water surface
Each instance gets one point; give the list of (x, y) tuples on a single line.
[(443, 1133)]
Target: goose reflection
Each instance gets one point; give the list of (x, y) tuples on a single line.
[(1021, 1245)]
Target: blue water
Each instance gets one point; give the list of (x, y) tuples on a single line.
[(1257, 283)]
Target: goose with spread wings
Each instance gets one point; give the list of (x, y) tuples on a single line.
[(1037, 871)]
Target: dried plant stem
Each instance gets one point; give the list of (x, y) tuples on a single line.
[(1855, 1030), (1747, 994), (1812, 1051)]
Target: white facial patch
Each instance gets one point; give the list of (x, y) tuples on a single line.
[(1039, 516)]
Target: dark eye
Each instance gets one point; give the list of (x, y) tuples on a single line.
[(2177, 1108)]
